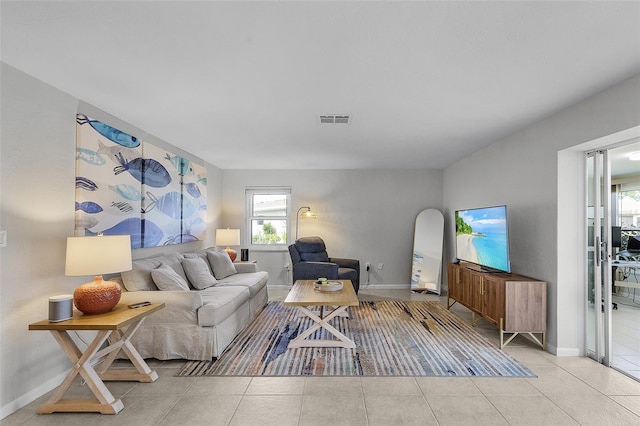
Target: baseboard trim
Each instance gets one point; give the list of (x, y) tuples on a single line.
[(564, 351), (32, 395)]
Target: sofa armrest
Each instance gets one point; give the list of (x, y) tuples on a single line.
[(313, 270), (346, 263), (246, 267), (189, 300)]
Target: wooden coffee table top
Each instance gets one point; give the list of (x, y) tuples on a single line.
[(303, 294)]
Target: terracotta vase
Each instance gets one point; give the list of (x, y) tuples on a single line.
[(97, 297)]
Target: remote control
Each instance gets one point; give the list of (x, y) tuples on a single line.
[(139, 305)]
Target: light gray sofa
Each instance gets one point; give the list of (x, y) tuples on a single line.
[(203, 314)]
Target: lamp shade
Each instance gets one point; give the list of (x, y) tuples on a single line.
[(227, 237), (96, 256), (99, 255), (308, 213)]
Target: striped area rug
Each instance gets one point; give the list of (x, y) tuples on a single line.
[(392, 339)]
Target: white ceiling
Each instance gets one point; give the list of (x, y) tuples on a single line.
[(241, 84)]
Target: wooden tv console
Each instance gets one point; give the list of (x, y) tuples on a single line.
[(513, 303)]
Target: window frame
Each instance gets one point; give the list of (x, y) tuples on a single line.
[(250, 191)]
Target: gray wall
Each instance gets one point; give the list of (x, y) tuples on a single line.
[(37, 190), (364, 214), (524, 172)]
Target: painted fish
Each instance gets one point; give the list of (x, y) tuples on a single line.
[(144, 233), (173, 204), (123, 206), (111, 133), (146, 170), (126, 191), (202, 180), (181, 238), (89, 156), (112, 152), (86, 184), (84, 221), (89, 207), (192, 189), (196, 221), (182, 165)]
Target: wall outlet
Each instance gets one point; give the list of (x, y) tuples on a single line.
[(368, 266), (287, 267), (380, 265)]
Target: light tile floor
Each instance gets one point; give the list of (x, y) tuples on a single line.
[(567, 391)]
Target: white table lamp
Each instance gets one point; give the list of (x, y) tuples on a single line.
[(228, 237), (96, 256)]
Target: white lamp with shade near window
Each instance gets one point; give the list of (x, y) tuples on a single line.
[(228, 237)]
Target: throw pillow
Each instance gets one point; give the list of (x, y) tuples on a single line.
[(165, 278), (198, 273), (221, 264)]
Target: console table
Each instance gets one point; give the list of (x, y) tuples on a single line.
[(118, 325), (514, 303)]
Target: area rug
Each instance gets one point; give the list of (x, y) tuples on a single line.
[(392, 339)]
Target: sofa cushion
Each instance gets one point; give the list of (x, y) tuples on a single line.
[(139, 277), (221, 264), (201, 254), (312, 249), (219, 302), (198, 272), (165, 278), (254, 281), (315, 257)]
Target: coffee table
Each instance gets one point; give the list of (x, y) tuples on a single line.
[(303, 295), (120, 324)]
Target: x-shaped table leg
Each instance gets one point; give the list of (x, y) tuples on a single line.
[(105, 402), (301, 340)]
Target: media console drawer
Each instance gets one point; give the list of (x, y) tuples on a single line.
[(513, 303)]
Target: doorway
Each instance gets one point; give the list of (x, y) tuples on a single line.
[(612, 306)]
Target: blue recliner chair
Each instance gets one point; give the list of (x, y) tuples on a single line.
[(310, 261)]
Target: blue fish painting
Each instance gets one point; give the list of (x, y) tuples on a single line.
[(146, 170), (182, 165), (86, 184), (111, 133), (89, 207), (89, 156), (127, 154), (144, 233), (173, 204), (192, 189), (126, 191)]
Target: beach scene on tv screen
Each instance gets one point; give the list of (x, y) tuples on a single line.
[(481, 237)]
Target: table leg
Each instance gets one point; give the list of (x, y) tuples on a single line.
[(302, 341), (122, 342), (105, 402)]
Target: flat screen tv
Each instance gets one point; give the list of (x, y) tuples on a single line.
[(482, 238)]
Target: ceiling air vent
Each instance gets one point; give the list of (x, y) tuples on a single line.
[(334, 119)]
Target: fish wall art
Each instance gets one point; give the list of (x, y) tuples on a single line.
[(125, 185)]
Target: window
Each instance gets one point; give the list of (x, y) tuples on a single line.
[(268, 211)]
